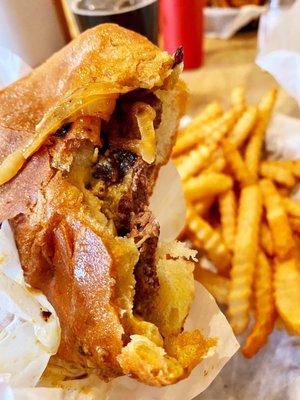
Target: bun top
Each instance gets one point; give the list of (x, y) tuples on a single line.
[(107, 54)]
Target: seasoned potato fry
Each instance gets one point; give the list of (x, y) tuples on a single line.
[(238, 98), (287, 293), (276, 173), (206, 185), (254, 147), (277, 220), (217, 285), (227, 207), (244, 258), (236, 163), (292, 207), (209, 240), (194, 161), (265, 311), (243, 127), (195, 131), (266, 240)]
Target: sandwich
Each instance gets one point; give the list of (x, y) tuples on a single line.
[(83, 138)]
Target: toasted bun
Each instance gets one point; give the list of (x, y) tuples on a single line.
[(88, 254)]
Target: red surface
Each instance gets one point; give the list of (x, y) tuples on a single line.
[(181, 23)]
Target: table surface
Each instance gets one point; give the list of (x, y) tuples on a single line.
[(229, 63)]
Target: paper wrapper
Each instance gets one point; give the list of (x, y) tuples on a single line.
[(168, 204), (223, 23), (279, 46)]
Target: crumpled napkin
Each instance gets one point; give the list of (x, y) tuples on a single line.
[(279, 46), (223, 23)]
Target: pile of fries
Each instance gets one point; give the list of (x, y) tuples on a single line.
[(241, 216), (234, 3)]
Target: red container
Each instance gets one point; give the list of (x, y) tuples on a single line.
[(181, 23)]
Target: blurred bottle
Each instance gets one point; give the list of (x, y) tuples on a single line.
[(33, 29), (138, 15), (181, 23)]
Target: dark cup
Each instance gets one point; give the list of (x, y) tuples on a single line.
[(141, 17)]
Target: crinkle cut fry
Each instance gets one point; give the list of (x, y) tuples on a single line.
[(292, 207), (211, 132), (277, 173), (206, 185), (194, 161), (255, 144), (277, 219), (217, 285), (287, 293), (265, 310), (193, 132), (243, 127), (236, 163), (244, 258), (209, 240), (266, 241), (238, 98), (227, 208)]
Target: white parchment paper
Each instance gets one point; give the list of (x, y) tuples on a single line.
[(205, 314), (223, 23)]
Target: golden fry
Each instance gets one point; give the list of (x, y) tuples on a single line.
[(236, 163), (203, 206), (294, 166), (238, 98), (277, 220), (287, 293), (194, 161), (207, 133), (244, 258), (292, 207), (206, 185), (193, 133), (265, 311), (216, 162), (291, 165), (209, 240), (266, 240), (217, 165), (277, 173), (221, 127), (254, 147), (227, 207), (218, 286), (295, 224), (243, 127)]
